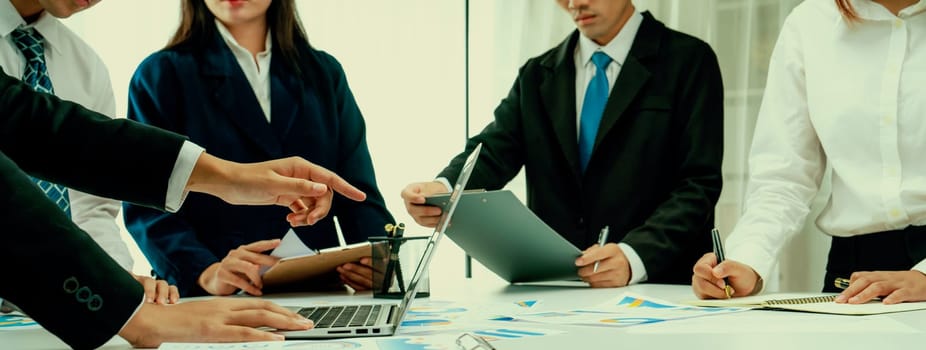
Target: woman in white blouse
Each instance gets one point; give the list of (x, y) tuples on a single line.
[(846, 89)]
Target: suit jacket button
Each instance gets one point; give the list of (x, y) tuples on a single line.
[(95, 303), (71, 285), (83, 294)]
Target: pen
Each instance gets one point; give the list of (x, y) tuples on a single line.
[(393, 267), (841, 283), (718, 251), (602, 239)]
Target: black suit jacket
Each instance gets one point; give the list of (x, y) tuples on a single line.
[(654, 174), (73, 288)]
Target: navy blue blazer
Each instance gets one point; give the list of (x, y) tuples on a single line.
[(201, 92)]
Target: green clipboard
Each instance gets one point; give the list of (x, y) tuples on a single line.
[(497, 230)]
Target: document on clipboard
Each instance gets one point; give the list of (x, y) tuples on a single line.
[(497, 230), (302, 263)]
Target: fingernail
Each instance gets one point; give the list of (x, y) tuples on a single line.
[(279, 337), (149, 300), (304, 320), (319, 187), (841, 299), (853, 299)]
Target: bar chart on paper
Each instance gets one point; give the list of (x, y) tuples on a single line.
[(14, 322)]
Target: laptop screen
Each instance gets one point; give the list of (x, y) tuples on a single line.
[(438, 232)]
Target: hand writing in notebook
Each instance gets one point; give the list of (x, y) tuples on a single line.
[(708, 278), (892, 286)]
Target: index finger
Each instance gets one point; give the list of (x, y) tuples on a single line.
[(412, 194), (858, 283), (336, 183), (596, 253), (257, 304), (262, 246)]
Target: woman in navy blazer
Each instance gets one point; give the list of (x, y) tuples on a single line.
[(240, 79)]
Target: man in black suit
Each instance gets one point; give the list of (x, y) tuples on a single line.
[(621, 125), (75, 289)]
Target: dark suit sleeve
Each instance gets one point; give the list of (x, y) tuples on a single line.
[(358, 220), (67, 144), (502, 154), (675, 225), (165, 238), (73, 289)]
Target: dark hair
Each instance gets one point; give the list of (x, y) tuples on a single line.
[(197, 29), (847, 10)]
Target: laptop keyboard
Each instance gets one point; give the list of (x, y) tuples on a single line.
[(342, 316)]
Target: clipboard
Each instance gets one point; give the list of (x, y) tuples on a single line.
[(497, 230), (303, 267)]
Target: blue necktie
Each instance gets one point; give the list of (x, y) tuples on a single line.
[(31, 44), (596, 97)]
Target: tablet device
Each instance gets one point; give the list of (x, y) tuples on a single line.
[(497, 230)]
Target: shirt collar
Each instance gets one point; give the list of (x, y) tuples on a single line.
[(47, 25), (618, 48), (869, 10), (233, 44)]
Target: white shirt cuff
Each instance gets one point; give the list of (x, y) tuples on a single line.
[(637, 270), (756, 257), (446, 183), (921, 266), (180, 176)]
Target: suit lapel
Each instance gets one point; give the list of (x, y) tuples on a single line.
[(236, 99), (284, 102), (558, 96), (633, 76)]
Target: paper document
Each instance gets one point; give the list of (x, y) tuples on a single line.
[(627, 310), (290, 246), (270, 345), (817, 302)]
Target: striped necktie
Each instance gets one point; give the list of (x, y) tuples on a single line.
[(32, 46)]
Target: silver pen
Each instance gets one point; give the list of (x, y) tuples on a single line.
[(602, 240)]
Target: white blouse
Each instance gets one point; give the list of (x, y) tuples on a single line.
[(851, 95)]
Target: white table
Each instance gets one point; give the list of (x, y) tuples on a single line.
[(745, 330)]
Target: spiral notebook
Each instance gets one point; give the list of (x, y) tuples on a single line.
[(816, 303)]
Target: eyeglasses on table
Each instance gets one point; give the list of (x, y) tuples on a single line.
[(470, 341)]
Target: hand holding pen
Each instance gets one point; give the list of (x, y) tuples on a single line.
[(718, 251), (715, 277), (602, 240)]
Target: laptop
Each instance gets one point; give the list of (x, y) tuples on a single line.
[(372, 319)]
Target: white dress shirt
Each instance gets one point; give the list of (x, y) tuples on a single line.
[(257, 71), (617, 49), (848, 95), (79, 75)]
